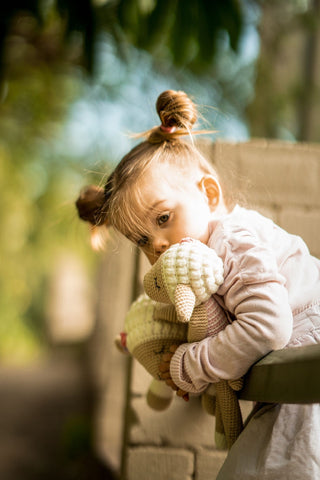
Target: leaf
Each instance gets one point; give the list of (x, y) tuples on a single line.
[(128, 14), (183, 37), (79, 16), (159, 23), (207, 31)]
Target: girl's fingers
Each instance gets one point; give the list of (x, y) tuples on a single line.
[(173, 348), (183, 395), (164, 372), (164, 375), (171, 384), (164, 367), (166, 357)]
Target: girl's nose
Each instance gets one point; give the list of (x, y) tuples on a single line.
[(160, 245)]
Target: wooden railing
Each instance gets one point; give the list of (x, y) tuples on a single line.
[(285, 376)]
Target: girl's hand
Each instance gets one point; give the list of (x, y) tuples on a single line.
[(165, 375)]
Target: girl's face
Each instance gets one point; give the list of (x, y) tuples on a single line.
[(175, 207)]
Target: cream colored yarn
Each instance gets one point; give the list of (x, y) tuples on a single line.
[(189, 262), (147, 337)]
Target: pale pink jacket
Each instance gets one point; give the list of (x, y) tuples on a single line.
[(269, 277)]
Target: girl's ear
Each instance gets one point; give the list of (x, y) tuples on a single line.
[(211, 188)]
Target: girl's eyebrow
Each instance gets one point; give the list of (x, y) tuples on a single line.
[(157, 203)]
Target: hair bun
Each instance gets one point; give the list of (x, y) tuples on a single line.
[(90, 205), (176, 109)]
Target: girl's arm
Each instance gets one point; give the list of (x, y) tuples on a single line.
[(263, 323), (254, 292)]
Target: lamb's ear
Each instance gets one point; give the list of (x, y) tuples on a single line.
[(184, 301)]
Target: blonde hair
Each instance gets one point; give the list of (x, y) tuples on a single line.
[(116, 204)]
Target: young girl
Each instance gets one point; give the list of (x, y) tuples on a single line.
[(164, 190)]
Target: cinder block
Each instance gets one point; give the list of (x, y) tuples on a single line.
[(281, 173), (208, 464), (206, 147), (304, 223), (141, 379), (149, 463), (183, 425), (225, 158), (273, 172), (246, 407)]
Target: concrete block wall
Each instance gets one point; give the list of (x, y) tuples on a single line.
[(282, 181), (279, 179)]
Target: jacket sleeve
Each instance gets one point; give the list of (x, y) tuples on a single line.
[(254, 292)]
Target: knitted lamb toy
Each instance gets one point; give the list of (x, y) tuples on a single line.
[(187, 275), (182, 309)]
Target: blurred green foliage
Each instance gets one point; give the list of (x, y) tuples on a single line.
[(37, 212), (71, 16), (38, 187), (186, 31)]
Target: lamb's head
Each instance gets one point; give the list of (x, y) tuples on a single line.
[(186, 274)]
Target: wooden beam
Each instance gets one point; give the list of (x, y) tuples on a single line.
[(285, 376)]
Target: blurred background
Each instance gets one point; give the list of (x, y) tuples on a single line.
[(76, 79)]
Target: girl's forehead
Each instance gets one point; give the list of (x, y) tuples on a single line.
[(164, 176)]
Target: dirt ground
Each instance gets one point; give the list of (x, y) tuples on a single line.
[(45, 422)]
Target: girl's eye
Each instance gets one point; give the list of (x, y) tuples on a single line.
[(143, 241), (163, 218)]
